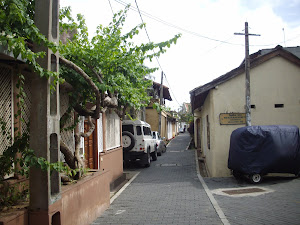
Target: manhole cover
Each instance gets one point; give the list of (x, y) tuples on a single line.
[(169, 164), (244, 191)]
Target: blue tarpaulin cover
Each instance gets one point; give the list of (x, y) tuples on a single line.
[(265, 149)]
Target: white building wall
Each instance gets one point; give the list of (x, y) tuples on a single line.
[(170, 131), (273, 82)]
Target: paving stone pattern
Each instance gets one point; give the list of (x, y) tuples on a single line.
[(279, 207), (168, 192)]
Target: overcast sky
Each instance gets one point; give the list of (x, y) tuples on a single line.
[(208, 47)]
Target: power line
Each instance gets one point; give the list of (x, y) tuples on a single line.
[(282, 42), (111, 7), (192, 32), (171, 90), (218, 45), (154, 52), (147, 33), (174, 26)]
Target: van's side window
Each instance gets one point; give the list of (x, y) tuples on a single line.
[(138, 130), (128, 128), (147, 131)]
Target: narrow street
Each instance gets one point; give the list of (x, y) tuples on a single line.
[(171, 191)]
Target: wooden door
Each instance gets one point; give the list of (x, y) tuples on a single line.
[(91, 148)]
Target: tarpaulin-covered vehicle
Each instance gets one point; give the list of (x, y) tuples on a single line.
[(257, 150)]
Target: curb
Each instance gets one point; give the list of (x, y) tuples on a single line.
[(118, 193), (189, 144), (210, 195)]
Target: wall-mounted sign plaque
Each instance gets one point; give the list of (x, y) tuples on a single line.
[(232, 118)]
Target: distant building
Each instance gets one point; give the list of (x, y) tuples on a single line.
[(186, 108), (169, 125)]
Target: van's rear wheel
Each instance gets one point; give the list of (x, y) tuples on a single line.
[(255, 178), (154, 155), (147, 159)]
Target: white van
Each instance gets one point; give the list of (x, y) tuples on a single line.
[(138, 142)]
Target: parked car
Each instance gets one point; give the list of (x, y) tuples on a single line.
[(138, 143), (257, 150), (181, 130), (160, 144)]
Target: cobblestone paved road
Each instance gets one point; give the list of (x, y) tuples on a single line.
[(170, 192), (280, 206)]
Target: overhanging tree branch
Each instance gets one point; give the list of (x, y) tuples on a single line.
[(98, 75), (77, 69)]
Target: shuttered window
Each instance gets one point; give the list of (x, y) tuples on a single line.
[(208, 132), (100, 134), (67, 136), (6, 108), (112, 132)]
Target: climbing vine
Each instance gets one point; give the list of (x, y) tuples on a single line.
[(106, 71), (18, 33), (111, 60)]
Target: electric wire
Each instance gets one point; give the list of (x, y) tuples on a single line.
[(147, 33), (278, 43), (111, 7), (171, 90), (194, 33), (175, 26), (154, 52), (186, 31)]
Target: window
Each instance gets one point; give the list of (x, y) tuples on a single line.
[(67, 136), (12, 114), (138, 130), (279, 105), (6, 108), (147, 131), (100, 134), (208, 132), (128, 128), (112, 132), (81, 129)]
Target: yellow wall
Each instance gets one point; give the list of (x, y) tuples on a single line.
[(273, 82), (164, 126), (152, 117)]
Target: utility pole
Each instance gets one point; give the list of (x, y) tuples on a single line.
[(160, 102), (247, 71)]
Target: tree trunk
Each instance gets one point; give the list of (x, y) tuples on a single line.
[(68, 154)]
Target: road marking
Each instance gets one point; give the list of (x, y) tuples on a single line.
[(123, 188), (210, 196), (120, 211), (169, 164)]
